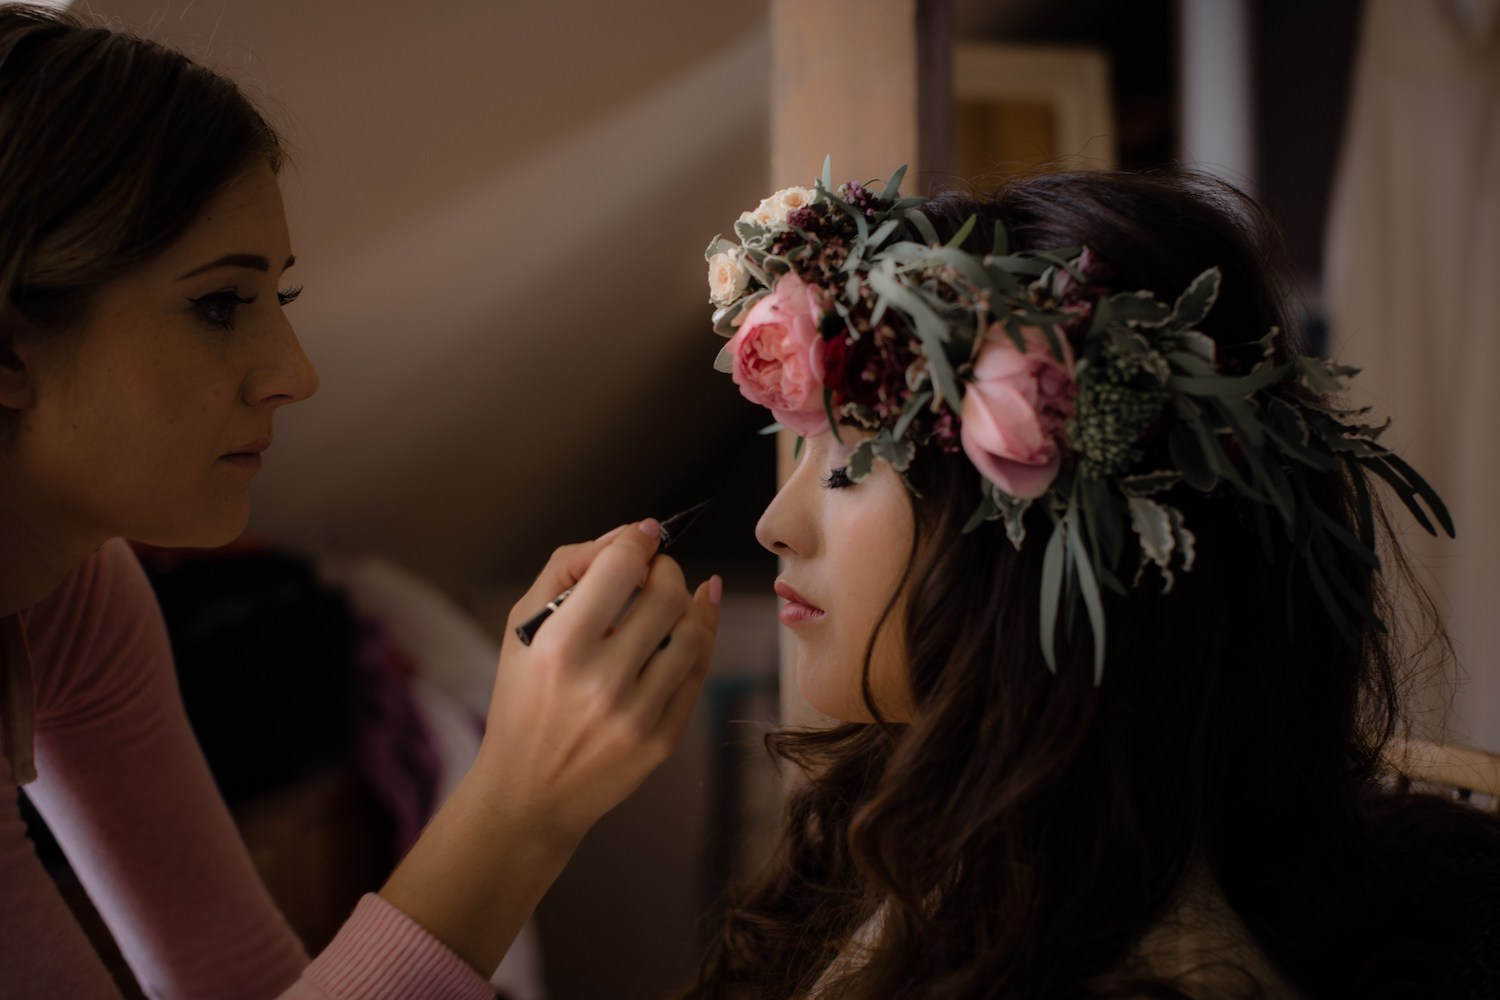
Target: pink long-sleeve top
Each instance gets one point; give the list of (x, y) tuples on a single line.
[(90, 710)]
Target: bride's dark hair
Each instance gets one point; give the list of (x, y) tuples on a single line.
[(1024, 831)]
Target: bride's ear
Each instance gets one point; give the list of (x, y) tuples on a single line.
[(17, 335)]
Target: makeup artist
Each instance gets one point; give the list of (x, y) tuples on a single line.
[(144, 350)]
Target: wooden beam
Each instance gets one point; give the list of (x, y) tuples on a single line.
[(867, 82)]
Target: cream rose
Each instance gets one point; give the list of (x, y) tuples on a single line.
[(727, 277), (772, 211), (788, 200)]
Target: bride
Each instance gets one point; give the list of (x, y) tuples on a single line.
[(1080, 552)]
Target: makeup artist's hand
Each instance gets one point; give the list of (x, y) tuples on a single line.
[(578, 719), (593, 705)]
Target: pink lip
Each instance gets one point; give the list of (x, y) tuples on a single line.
[(247, 456), (797, 610)]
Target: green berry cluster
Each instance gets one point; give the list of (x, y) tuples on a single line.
[(1120, 395)]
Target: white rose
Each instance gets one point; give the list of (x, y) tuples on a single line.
[(727, 278), (790, 199), (766, 214)]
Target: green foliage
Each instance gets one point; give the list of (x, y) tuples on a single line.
[(1153, 415)]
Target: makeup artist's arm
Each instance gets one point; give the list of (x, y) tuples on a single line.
[(578, 719)]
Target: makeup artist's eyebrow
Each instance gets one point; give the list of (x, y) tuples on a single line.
[(251, 260)]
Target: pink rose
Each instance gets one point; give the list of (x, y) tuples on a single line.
[(778, 358), (1015, 410)]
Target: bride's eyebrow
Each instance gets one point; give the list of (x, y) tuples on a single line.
[(253, 261)]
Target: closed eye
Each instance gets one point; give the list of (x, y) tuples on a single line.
[(838, 479), (289, 296)]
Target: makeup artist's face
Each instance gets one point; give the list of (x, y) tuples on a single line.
[(843, 549), (148, 420)]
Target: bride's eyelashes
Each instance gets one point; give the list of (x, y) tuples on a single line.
[(838, 479)]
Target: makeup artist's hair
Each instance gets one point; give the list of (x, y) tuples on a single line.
[(110, 146), (1026, 830)]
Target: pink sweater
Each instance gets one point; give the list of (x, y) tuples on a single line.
[(121, 782)]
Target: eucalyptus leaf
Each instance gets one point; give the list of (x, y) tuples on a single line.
[(892, 189), (1137, 309), (1223, 385), (1187, 542), (898, 454), (1193, 304), (882, 233), (1153, 526), (771, 429), (1146, 483), (855, 214), (1052, 572), (1200, 344), (986, 510), (1014, 513), (1408, 496), (932, 331), (1187, 456), (719, 245), (1002, 242), (914, 406), (1323, 377), (861, 460), (957, 240), (923, 226), (1089, 587), (1020, 264), (724, 360), (1422, 489)]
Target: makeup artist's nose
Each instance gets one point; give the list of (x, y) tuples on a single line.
[(281, 373)]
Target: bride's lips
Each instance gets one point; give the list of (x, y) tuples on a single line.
[(797, 610)]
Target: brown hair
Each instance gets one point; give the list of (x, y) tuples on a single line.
[(1025, 831), (110, 146)]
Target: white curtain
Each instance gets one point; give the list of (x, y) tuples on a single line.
[(1413, 296)]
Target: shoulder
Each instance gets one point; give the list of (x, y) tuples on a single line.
[(1434, 886), (103, 612)]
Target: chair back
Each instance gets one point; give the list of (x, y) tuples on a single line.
[(1464, 773)]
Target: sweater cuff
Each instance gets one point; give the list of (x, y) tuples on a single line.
[(382, 954)]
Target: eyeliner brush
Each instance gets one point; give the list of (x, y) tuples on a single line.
[(672, 529)]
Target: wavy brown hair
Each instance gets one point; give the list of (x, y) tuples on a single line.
[(1024, 831)]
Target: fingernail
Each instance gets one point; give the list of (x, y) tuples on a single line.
[(715, 590), (651, 527)]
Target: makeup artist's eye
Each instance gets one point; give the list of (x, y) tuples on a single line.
[(217, 309), (838, 479), (289, 296)]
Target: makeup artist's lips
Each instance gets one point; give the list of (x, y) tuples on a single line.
[(797, 610), (247, 457)]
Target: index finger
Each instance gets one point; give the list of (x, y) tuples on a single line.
[(610, 579)]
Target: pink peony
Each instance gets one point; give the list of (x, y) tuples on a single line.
[(1015, 410), (778, 357)]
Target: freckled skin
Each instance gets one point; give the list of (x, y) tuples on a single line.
[(844, 549), (135, 408)]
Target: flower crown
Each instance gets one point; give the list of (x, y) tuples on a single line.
[(843, 307)]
